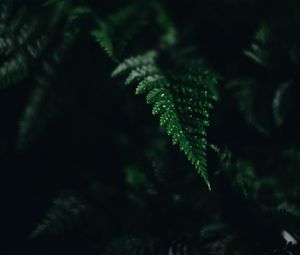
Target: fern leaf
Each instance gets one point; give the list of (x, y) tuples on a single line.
[(135, 62), (292, 209), (258, 51), (44, 103), (5, 10), (212, 229), (116, 31), (280, 103), (169, 33), (131, 245), (246, 95), (19, 45), (13, 70), (46, 99), (67, 211), (33, 120), (182, 101), (17, 30)]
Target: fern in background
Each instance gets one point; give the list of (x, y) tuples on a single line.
[(67, 211), (129, 245), (19, 44), (22, 45), (114, 33), (46, 99), (259, 50)]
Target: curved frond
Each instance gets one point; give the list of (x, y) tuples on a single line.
[(66, 212), (182, 99), (114, 33)]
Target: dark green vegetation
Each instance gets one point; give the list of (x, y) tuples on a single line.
[(88, 169)]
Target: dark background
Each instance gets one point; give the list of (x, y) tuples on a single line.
[(104, 128)]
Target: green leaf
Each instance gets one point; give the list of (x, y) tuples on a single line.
[(181, 98), (67, 211), (114, 33)]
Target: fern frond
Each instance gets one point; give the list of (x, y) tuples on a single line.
[(258, 51), (242, 175), (37, 113), (17, 31), (13, 70), (182, 99), (280, 103), (246, 179), (212, 229), (130, 245), (218, 238), (67, 212), (22, 42), (44, 103), (46, 99), (116, 31), (19, 45), (292, 209), (5, 11), (169, 32), (246, 94)]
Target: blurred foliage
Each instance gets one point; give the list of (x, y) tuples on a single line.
[(86, 167)]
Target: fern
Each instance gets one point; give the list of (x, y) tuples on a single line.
[(67, 211), (42, 106), (114, 33), (245, 91), (22, 44), (182, 99), (242, 174), (280, 103), (169, 32), (249, 93), (45, 102), (292, 209), (14, 68), (258, 51), (210, 230), (46, 99), (218, 237), (19, 46), (129, 245)]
